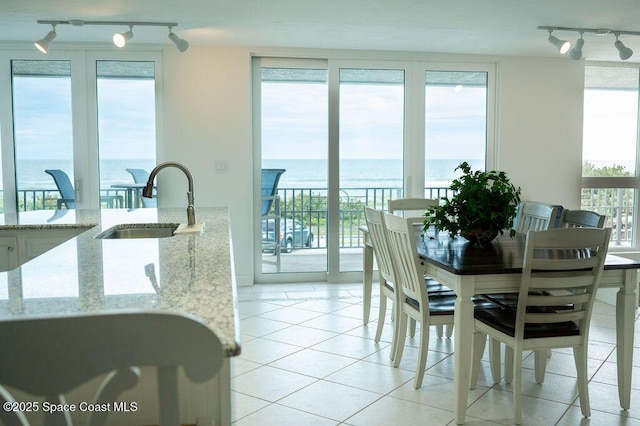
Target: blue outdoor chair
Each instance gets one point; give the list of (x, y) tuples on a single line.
[(68, 193), (270, 179), (142, 176), (271, 211), (65, 187)]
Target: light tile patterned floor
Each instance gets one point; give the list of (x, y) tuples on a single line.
[(307, 359)]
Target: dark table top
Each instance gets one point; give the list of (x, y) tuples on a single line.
[(503, 256)]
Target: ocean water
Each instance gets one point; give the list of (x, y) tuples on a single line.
[(31, 173), (363, 173), (299, 173)]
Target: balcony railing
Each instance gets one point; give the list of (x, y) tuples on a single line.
[(309, 206), (617, 205), (46, 199)]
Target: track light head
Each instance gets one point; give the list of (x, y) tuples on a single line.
[(563, 46), (576, 52), (180, 43), (624, 52), (43, 43), (121, 39)]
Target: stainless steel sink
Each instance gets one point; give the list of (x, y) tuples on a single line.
[(139, 230)]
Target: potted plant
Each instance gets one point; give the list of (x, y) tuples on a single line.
[(484, 205)]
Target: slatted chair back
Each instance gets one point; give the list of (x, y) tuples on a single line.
[(410, 207), (50, 357), (375, 227), (536, 217), (405, 260), (562, 267), (582, 219)]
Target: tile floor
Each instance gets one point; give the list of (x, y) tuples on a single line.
[(307, 359)]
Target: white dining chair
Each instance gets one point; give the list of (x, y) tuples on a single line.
[(535, 216), (381, 250), (568, 260), (49, 357), (382, 255), (416, 208), (582, 219), (411, 207), (412, 298)]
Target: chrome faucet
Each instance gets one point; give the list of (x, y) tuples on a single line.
[(147, 191)]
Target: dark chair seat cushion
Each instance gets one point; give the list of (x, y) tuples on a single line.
[(504, 320), (445, 305), (434, 288), (510, 300)]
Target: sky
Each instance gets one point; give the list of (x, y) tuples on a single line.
[(294, 121), (43, 124), (610, 127)]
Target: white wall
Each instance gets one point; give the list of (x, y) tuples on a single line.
[(540, 104), (207, 117)]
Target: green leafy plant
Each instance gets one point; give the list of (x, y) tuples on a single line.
[(484, 205)]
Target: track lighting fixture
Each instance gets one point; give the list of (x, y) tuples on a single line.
[(624, 52), (562, 45), (181, 44), (119, 39), (43, 43), (576, 53)]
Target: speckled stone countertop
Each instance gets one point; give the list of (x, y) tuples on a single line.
[(188, 274)]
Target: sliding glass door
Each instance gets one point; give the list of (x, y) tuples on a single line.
[(346, 134), (456, 120), (42, 133), (294, 170), (126, 98), (371, 146)]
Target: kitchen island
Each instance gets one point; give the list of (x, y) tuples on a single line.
[(191, 274)]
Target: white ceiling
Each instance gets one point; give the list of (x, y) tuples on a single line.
[(494, 27)]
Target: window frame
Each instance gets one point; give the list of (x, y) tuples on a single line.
[(83, 115), (622, 182), (414, 135)]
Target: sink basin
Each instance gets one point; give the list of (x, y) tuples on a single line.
[(139, 230)]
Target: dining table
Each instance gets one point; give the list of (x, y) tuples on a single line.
[(497, 268)]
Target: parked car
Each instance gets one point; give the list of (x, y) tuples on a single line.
[(292, 235)]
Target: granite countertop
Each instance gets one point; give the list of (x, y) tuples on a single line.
[(187, 274)]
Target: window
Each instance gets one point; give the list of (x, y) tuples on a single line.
[(371, 149), (610, 148), (43, 130), (71, 136), (126, 128), (353, 133), (455, 126)]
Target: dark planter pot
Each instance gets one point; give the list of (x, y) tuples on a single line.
[(479, 238)]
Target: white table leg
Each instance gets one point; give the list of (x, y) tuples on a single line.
[(625, 314), (463, 324), (367, 279)]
